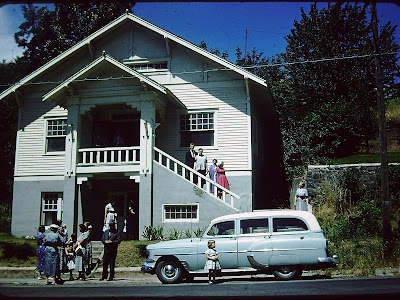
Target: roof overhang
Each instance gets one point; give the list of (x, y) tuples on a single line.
[(59, 91), (113, 26)]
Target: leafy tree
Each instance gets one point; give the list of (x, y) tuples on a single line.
[(338, 95), (9, 73)]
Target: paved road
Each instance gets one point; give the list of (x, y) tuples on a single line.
[(148, 287)]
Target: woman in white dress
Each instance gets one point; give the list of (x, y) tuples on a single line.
[(301, 197)]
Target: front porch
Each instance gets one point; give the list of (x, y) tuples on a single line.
[(108, 160)]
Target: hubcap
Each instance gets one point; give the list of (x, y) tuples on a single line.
[(169, 271)]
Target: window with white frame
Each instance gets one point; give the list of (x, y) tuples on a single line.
[(181, 212), (55, 135), (51, 207), (197, 128)]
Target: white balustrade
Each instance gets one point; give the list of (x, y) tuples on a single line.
[(110, 155), (194, 177)]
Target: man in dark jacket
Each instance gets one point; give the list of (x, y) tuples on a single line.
[(111, 239), (190, 156)]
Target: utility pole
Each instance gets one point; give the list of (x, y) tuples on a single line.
[(387, 231)]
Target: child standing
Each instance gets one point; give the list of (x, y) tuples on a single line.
[(70, 255), (212, 263)]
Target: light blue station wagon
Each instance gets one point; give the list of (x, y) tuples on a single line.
[(279, 242)]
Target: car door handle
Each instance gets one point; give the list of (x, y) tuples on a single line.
[(232, 238), (302, 237), (267, 236)]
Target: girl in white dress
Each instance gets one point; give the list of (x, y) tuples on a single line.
[(212, 263)]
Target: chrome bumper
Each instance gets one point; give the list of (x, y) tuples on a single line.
[(334, 260), (148, 266)]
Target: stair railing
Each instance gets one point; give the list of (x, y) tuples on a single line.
[(195, 177)]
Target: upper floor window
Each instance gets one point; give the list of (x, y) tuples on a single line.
[(147, 66), (55, 135), (197, 128)]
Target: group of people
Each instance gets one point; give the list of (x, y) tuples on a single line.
[(197, 160), (59, 253)]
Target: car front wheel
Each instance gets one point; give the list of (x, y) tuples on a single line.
[(287, 273), (169, 271)]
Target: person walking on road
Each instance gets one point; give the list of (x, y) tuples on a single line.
[(111, 239)]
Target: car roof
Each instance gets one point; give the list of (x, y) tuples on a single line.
[(273, 213)]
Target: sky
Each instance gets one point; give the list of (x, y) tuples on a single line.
[(222, 25)]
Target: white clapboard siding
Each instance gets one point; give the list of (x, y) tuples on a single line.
[(232, 121), (31, 160)]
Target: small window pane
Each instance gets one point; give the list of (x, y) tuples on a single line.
[(222, 228), (288, 224), (180, 212), (55, 138), (254, 226)]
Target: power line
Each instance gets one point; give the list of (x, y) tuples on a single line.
[(281, 64)]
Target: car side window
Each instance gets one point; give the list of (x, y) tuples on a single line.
[(222, 228), (288, 224), (254, 226)]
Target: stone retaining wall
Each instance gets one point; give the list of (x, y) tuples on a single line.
[(318, 173)]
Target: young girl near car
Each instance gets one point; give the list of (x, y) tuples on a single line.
[(212, 263), (70, 254)]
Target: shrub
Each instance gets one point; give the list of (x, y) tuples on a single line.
[(152, 233), (175, 234), (5, 217)]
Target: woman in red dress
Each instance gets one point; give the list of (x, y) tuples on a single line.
[(222, 180)]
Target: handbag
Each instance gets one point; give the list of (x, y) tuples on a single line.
[(71, 265)]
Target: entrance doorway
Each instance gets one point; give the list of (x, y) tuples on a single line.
[(128, 224)]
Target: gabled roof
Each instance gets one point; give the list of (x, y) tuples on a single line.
[(118, 22), (55, 93)]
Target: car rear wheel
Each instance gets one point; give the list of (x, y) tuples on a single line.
[(287, 273), (169, 271)]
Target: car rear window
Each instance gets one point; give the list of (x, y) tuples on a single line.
[(254, 226), (288, 224)]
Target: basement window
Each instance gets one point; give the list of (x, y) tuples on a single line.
[(180, 212)]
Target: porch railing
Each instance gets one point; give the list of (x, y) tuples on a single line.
[(109, 155), (195, 178)]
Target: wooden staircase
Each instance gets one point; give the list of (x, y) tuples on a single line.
[(228, 197)]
